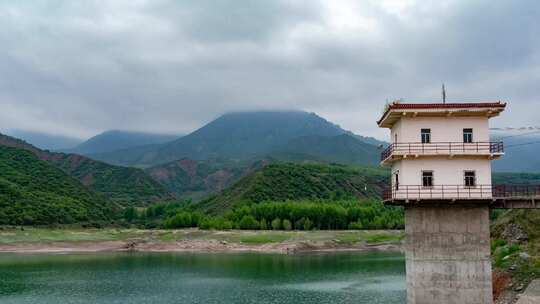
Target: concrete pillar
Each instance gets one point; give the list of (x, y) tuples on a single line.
[(448, 255)]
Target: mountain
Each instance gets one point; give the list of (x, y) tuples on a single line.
[(33, 192), (125, 186), (290, 181), (116, 140), (521, 151), (45, 141), (515, 178), (237, 136), (197, 179), (344, 148), (369, 140)]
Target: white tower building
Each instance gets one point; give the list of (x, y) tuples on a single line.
[(441, 172)]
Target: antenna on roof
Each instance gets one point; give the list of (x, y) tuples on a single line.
[(443, 94)]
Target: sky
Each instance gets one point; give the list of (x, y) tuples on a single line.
[(77, 68)]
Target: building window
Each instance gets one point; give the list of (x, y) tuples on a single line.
[(427, 178), (396, 180), (467, 136), (470, 179), (426, 136)]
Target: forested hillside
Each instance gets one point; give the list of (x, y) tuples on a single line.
[(194, 179), (289, 181), (33, 192), (125, 186)]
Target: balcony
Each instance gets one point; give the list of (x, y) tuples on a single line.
[(461, 192), (402, 150)]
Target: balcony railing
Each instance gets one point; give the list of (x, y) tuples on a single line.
[(416, 192), (446, 148), (516, 191)]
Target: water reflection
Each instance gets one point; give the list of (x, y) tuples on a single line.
[(202, 278)]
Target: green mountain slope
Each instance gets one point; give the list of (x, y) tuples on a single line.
[(343, 148), (238, 136), (116, 140), (287, 181), (514, 178), (33, 192), (196, 179), (125, 186)]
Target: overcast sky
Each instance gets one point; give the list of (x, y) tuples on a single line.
[(80, 67)]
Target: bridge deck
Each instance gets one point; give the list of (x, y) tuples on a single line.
[(494, 203)]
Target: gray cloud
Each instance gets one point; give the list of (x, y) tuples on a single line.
[(81, 67)]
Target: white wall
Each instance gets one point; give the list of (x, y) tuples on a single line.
[(443, 129), (446, 171), (396, 130)]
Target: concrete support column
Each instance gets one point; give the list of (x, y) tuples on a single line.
[(448, 255)]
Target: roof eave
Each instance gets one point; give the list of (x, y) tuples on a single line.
[(495, 110)]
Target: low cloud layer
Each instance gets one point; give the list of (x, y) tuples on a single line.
[(77, 68)]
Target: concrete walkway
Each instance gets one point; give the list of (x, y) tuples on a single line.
[(531, 294)]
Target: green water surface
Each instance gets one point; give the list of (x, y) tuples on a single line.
[(202, 278)]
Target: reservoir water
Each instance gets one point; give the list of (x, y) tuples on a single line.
[(202, 278)]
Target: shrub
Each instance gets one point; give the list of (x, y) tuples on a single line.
[(308, 225), (276, 224), (356, 225), (180, 220), (248, 222), (263, 225), (299, 225), (130, 214), (287, 225)]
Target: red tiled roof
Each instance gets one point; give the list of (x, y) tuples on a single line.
[(453, 105), (446, 105)]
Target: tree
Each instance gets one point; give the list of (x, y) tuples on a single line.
[(308, 224), (263, 225), (276, 224), (248, 222), (180, 220), (287, 225), (130, 214)]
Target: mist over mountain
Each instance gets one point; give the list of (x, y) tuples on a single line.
[(344, 148), (237, 136), (116, 140), (45, 141), (521, 151)]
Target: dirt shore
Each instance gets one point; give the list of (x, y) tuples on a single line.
[(194, 246), (36, 240)]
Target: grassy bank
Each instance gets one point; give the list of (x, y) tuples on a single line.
[(43, 235)]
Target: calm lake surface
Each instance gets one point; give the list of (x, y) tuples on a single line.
[(202, 278)]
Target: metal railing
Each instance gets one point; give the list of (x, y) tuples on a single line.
[(417, 192), (442, 148), (516, 191)]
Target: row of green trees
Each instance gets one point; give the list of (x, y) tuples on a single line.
[(296, 215)]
